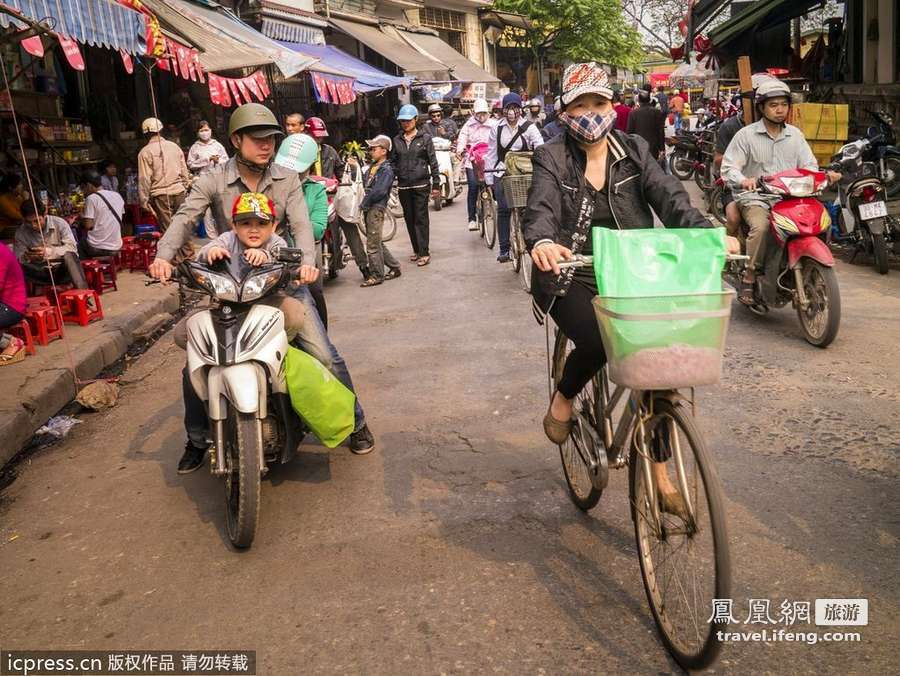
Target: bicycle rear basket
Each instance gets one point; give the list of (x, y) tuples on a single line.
[(516, 190), (664, 342)]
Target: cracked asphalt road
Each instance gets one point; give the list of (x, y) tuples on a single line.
[(454, 548)]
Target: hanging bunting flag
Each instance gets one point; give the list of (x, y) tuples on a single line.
[(34, 46), (242, 87), (72, 52), (263, 83), (183, 56), (215, 94), (127, 62), (195, 64), (251, 84), (235, 92)]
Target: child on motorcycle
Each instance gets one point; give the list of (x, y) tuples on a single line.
[(251, 243)]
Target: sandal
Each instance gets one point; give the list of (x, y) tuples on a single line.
[(423, 261), (746, 294), (414, 258), (371, 281), (15, 357), (393, 273)]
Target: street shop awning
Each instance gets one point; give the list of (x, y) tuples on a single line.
[(432, 46), (366, 78), (289, 24), (411, 61), (503, 20), (755, 18), (99, 23), (229, 30)]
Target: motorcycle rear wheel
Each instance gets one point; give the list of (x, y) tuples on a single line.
[(892, 168), (242, 485), (681, 166), (822, 319), (879, 250)]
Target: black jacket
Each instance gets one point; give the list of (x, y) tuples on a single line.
[(648, 122), (415, 164), (378, 187), (332, 167), (560, 208)]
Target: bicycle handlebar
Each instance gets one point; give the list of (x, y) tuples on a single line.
[(580, 261)]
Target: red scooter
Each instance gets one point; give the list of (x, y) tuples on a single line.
[(800, 269)]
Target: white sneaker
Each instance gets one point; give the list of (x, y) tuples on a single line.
[(473, 225)]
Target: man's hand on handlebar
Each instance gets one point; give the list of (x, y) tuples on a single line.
[(732, 245), (749, 184), (834, 177), (546, 255), (161, 269), (308, 274)]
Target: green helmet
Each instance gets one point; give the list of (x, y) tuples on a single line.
[(297, 152), (254, 119)]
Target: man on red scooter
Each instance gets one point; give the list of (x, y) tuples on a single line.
[(761, 149)]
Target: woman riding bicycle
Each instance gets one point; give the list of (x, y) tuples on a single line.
[(592, 176)]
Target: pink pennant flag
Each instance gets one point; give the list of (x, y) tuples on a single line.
[(127, 62), (183, 55), (214, 94), (224, 94), (195, 61), (235, 92), (251, 84), (34, 46), (263, 84), (242, 87), (72, 52)]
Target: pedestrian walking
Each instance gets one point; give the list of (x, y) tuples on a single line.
[(163, 178), (415, 164), (378, 182), (648, 122), (204, 155)]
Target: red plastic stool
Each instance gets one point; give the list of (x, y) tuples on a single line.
[(80, 306), (100, 274), (46, 323), (38, 302), (23, 332), (139, 258)]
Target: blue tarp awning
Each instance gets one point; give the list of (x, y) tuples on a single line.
[(100, 23), (366, 78)]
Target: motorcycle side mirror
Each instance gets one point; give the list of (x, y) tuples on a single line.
[(291, 255)]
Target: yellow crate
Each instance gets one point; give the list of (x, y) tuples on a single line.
[(821, 121), (823, 150)]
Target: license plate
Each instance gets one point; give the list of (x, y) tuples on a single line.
[(872, 210)]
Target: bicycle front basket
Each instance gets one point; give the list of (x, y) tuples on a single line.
[(664, 342), (515, 188)]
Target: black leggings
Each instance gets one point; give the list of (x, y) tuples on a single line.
[(574, 315), (9, 317)]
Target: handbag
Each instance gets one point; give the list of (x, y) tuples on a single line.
[(349, 195)]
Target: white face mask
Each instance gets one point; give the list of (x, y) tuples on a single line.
[(205, 135), (512, 115)]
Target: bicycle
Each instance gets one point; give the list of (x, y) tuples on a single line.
[(516, 190), (617, 426), (485, 207)]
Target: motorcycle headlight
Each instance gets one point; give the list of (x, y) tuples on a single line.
[(218, 285), (800, 186), (259, 284)]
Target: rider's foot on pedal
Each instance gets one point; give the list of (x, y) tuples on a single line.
[(192, 459), (557, 431), (473, 225), (745, 294), (503, 258), (362, 441)]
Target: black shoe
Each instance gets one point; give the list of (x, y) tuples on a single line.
[(365, 272), (503, 258), (192, 460), (362, 441)]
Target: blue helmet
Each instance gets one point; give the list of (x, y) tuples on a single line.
[(408, 112), (512, 99)]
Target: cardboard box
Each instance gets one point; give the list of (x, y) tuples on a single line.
[(821, 121)]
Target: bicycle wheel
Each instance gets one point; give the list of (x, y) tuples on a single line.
[(479, 215), (490, 219), (389, 228), (525, 264), (684, 560), (514, 240), (580, 445)]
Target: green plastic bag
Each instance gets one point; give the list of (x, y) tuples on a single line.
[(658, 261), (322, 400)]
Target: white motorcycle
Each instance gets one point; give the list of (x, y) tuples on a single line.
[(235, 355), (451, 186)]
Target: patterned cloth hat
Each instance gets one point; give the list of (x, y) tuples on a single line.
[(253, 205), (584, 78)]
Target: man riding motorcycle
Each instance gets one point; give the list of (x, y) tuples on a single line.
[(253, 131), (438, 126), (760, 149)]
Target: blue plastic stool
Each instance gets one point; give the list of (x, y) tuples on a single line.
[(144, 228)]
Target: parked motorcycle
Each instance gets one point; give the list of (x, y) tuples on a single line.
[(798, 265), (863, 217), (685, 154), (883, 151), (451, 187), (235, 352)]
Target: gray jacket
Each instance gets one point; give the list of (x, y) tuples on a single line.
[(237, 266), (217, 190)]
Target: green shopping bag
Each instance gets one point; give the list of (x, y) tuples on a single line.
[(658, 261), (322, 400)]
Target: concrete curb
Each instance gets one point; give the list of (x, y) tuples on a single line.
[(53, 388)]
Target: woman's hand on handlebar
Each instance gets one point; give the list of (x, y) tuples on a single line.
[(732, 245), (161, 269), (546, 255)]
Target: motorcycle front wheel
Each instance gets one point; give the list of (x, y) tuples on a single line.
[(681, 166), (822, 317), (242, 483), (892, 177)]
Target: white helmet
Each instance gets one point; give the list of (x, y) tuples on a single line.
[(771, 89), (481, 106), (535, 103), (557, 105), (151, 126)]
